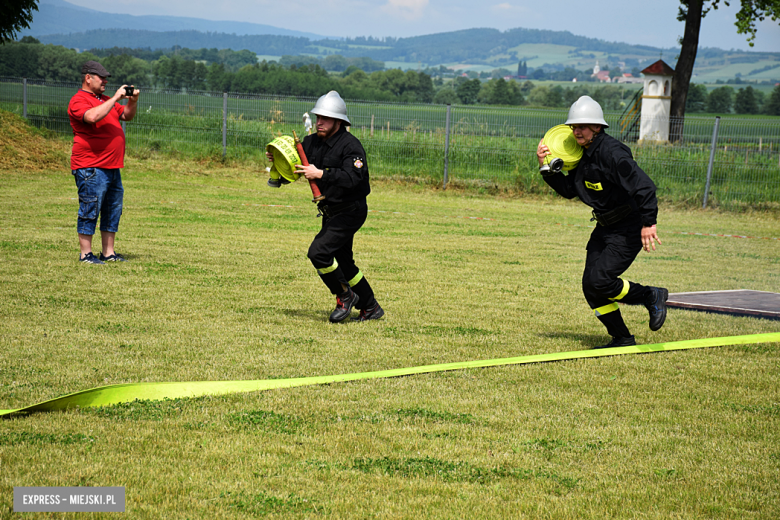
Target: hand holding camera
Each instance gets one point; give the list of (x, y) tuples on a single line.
[(129, 91)]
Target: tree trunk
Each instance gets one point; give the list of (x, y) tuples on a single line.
[(684, 68)]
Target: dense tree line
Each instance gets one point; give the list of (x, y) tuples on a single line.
[(772, 106), (209, 69), (334, 63), (232, 60), (29, 59), (724, 100), (131, 38)]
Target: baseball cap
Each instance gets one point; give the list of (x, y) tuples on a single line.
[(93, 67)]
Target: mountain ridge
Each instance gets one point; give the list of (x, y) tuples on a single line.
[(61, 17)]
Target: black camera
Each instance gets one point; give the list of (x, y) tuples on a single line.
[(129, 91)]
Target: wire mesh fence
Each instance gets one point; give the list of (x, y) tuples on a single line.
[(478, 145)]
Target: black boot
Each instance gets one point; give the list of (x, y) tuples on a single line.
[(372, 313), (656, 304), (619, 342), (614, 323), (344, 303)]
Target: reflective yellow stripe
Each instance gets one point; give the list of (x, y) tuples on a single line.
[(601, 311), (356, 279), (626, 287), (330, 269)]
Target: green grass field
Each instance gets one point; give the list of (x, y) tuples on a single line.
[(218, 287)]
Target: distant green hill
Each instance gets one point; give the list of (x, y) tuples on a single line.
[(130, 38), (61, 17)]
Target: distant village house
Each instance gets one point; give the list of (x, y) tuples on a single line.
[(603, 76), (600, 75)]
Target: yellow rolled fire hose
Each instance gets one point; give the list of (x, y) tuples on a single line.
[(562, 144), (123, 393), (285, 158)]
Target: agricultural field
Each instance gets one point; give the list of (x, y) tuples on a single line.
[(218, 288), (748, 71), (539, 54)]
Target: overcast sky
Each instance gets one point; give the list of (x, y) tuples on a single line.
[(650, 22)]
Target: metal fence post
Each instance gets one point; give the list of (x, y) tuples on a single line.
[(712, 160), (24, 102), (446, 146), (224, 124)]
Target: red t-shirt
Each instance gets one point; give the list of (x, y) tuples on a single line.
[(101, 145)]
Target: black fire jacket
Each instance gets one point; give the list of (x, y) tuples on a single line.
[(608, 177), (343, 162)]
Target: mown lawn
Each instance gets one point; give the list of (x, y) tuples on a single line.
[(218, 287)]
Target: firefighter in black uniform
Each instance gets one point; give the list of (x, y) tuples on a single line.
[(625, 207), (337, 162)]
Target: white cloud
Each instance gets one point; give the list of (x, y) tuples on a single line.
[(406, 9)]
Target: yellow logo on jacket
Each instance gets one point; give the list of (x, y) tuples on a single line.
[(592, 186)]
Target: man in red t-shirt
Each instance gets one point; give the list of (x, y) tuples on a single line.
[(98, 154)]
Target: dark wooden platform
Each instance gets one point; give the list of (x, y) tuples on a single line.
[(741, 302)]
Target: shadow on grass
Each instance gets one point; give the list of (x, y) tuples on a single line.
[(588, 341), (317, 315)]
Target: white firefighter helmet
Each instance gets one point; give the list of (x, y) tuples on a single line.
[(331, 105), (586, 111)]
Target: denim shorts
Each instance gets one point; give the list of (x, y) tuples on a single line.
[(100, 192)]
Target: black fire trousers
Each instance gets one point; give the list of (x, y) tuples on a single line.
[(611, 250), (331, 254)]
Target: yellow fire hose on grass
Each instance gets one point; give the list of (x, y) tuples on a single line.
[(123, 393)]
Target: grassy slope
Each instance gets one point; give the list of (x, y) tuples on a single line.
[(23, 147), (707, 73), (218, 287)]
